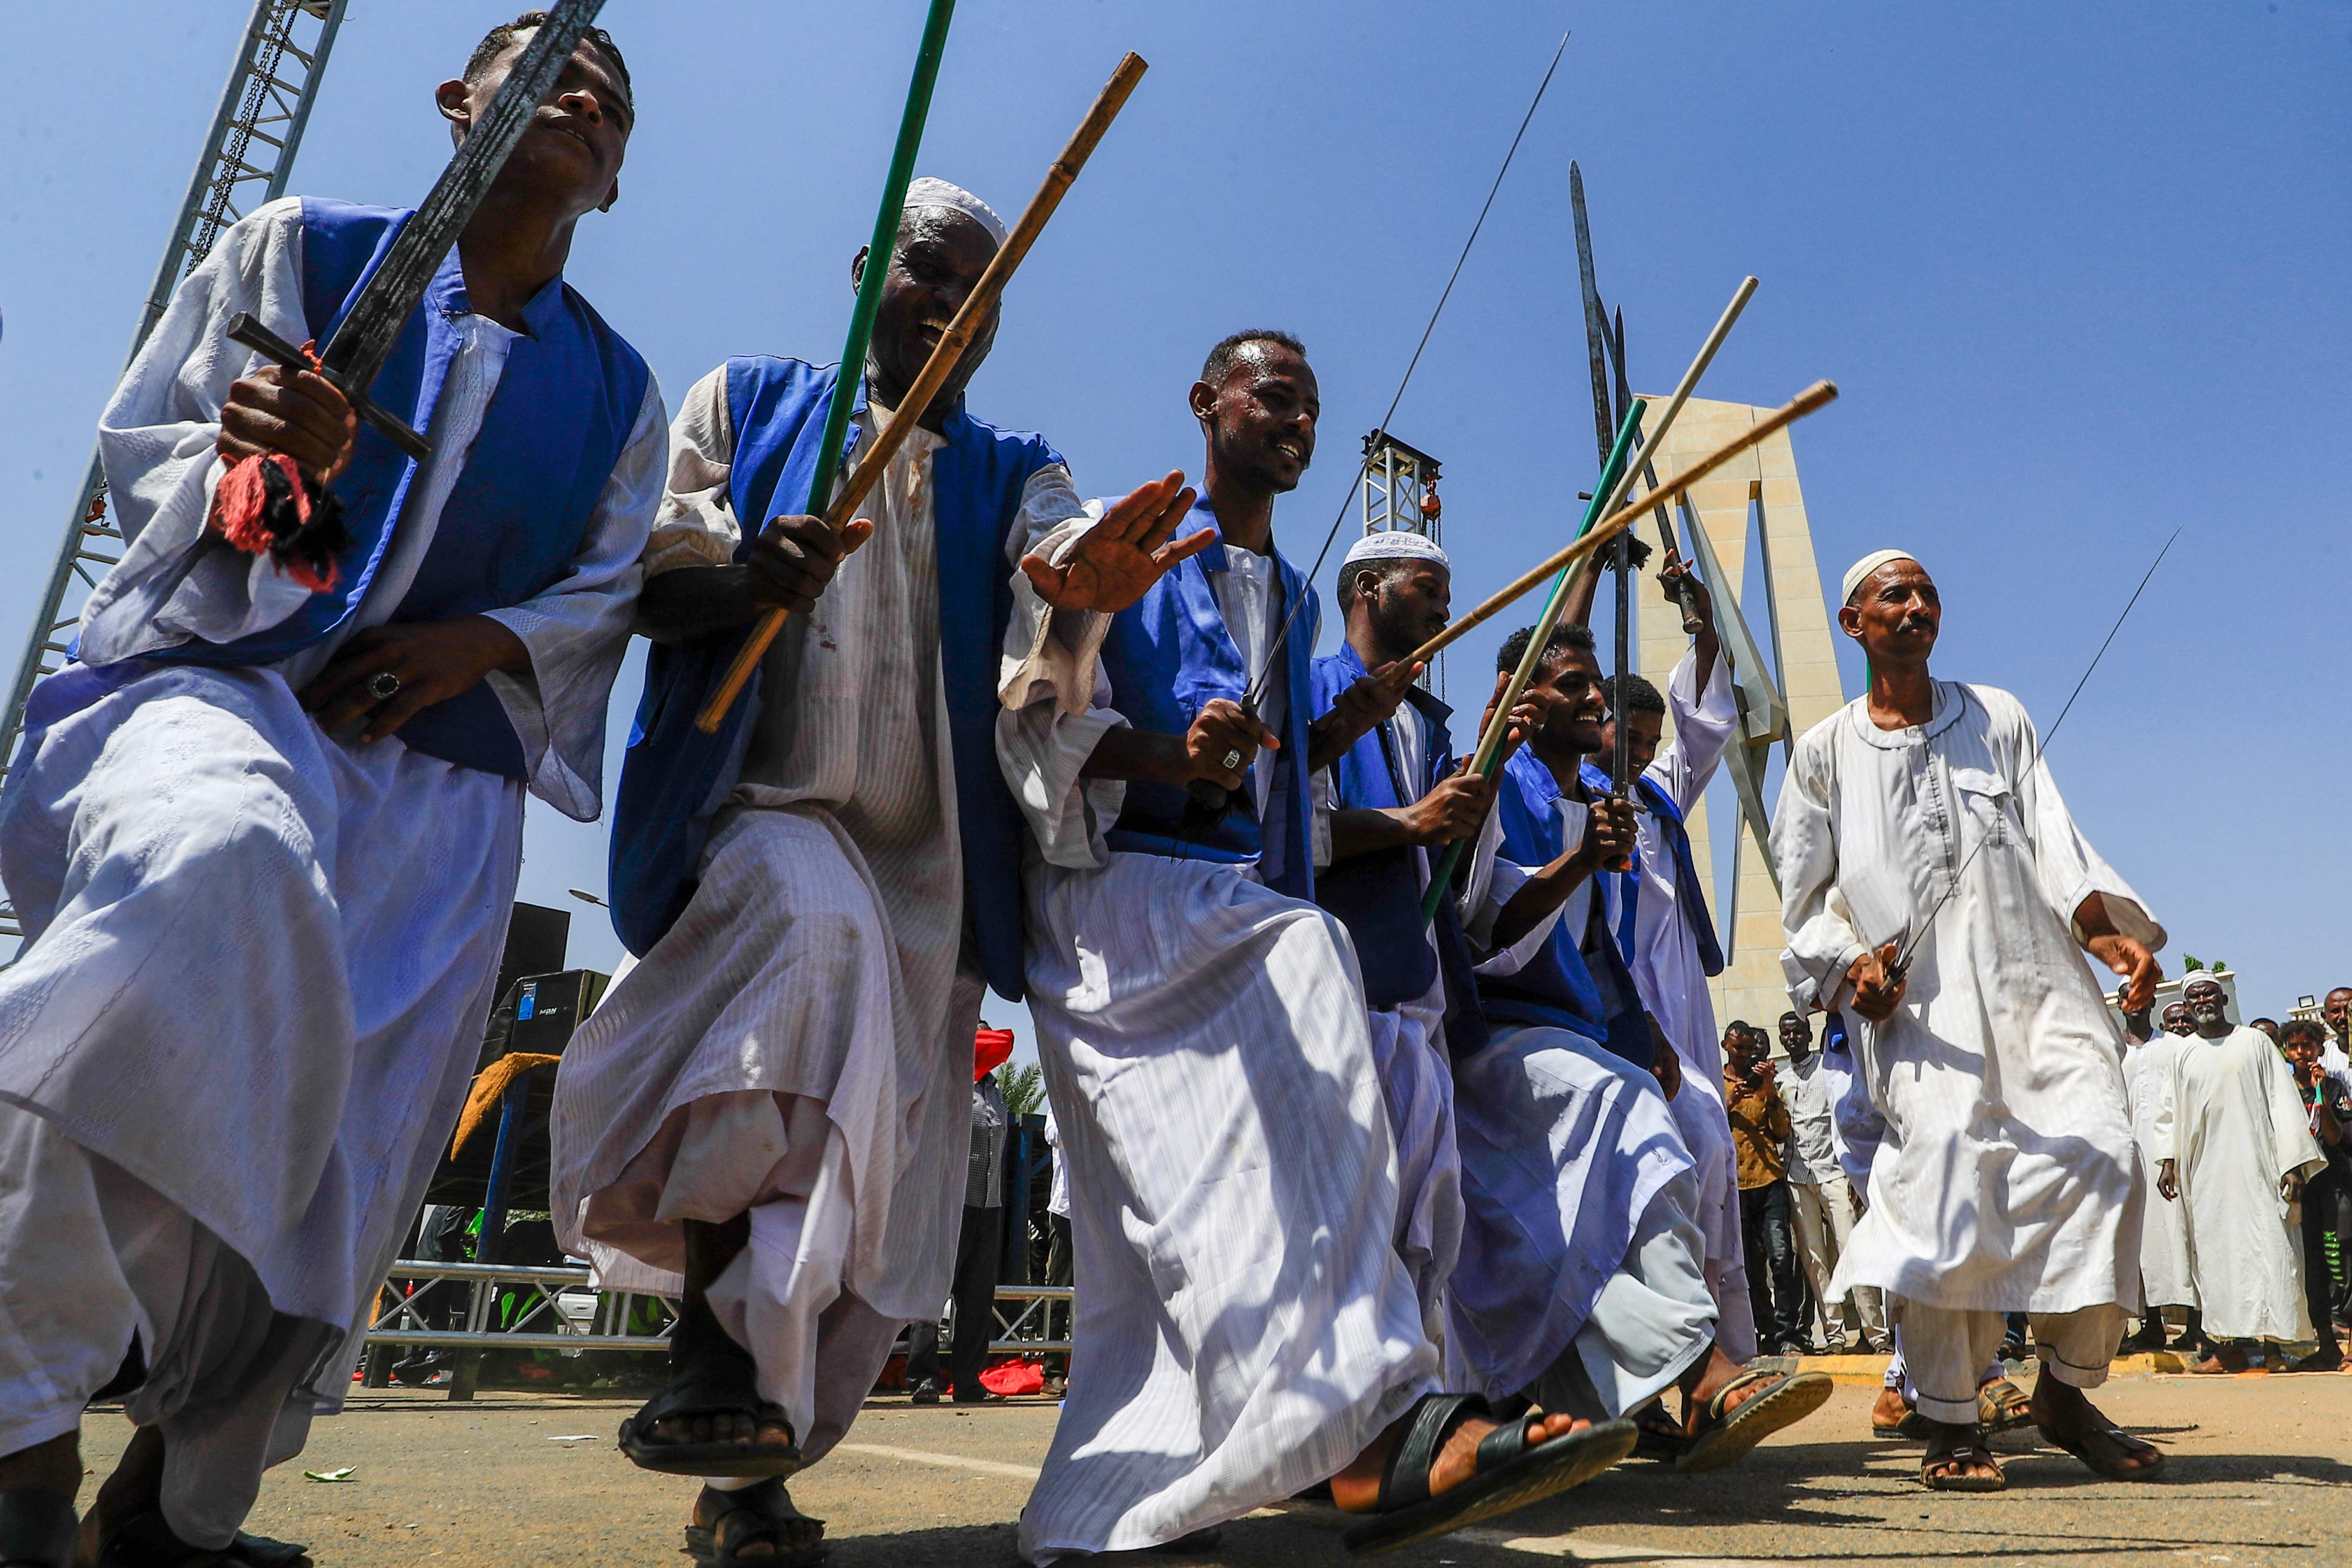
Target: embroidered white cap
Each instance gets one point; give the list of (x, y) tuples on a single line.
[(927, 192)]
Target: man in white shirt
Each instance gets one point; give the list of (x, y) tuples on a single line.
[(1818, 1190)]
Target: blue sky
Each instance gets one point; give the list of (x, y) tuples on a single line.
[(2078, 271)]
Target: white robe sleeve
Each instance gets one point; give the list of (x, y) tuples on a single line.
[(577, 631), (1492, 883), (1823, 942), (2290, 1120), (2069, 870), (2163, 1132), (1703, 725), (696, 525), (157, 441), (1056, 697)]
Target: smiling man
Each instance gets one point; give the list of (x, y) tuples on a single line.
[(2006, 1178), (768, 1114), (1246, 1326), (265, 836)]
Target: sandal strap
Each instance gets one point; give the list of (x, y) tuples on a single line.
[(1504, 1443), (1716, 1409), (1405, 1479), (36, 1526)]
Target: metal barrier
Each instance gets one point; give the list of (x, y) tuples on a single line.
[(557, 1309)]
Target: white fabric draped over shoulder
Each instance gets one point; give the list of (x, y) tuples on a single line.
[(2164, 1273), (2006, 1178), (157, 438)]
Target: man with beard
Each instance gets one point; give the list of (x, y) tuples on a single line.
[(1923, 811), (1582, 1280), (264, 835), (768, 1114), (2233, 1149), (1246, 1327)]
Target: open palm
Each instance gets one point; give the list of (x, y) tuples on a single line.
[(1114, 562)]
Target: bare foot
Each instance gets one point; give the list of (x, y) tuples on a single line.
[(1957, 1455), (1357, 1488), (1890, 1409), (2068, 1418)]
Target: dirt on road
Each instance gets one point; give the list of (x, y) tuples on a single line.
[(2259, 1472)]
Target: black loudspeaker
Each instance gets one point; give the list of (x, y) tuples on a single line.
[(537, 1014)]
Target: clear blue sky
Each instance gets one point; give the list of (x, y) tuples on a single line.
[(2078, 270)]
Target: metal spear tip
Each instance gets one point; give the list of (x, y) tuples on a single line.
[(585, 897)]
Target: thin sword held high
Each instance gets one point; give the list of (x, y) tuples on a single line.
[(1902, 964), (1596, 354), (1208, 800), (384, 302)]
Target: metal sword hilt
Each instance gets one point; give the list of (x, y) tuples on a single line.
[(245, 329)]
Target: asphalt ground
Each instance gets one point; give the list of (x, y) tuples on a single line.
[(2259, 1472)]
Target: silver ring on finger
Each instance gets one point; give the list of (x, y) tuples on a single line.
[(1232, 760), (383, 685)]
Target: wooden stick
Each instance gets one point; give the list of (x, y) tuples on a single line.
[(1816, 396), (943, 359)]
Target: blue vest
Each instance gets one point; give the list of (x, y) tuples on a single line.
[(1690, 893), (1378, 896), (676, 778), (565, 403), (1168, 656)]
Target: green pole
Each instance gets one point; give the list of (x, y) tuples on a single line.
[(879, 251), (1441, 879)]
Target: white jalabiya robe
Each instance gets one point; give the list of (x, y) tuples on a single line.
[(1673, 983), (2164, 1277), (260, 955), (2007, 1180), (2234, 1122), (1416, 1080), (799, 1043), (1581, 1226), (1246, 1325)]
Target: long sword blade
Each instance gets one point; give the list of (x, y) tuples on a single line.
[(386, 301), (1596, 338)]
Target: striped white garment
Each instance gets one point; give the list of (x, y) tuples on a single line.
[(2164, 1277), (800, 1044), (1246, 1325)]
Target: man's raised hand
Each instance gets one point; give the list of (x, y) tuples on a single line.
[(2133, 961), (1678, 572), (1455, 809), (795, 558), (1874, 997), (296, 412), (1114, 562), (1223, 730)]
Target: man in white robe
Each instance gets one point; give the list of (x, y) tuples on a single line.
[(1246, 1325), (264, 835), (1824, 1203), (770, 1114), (2233, 1151), (2008, 1177), (2164, 1274), (1664, 948)]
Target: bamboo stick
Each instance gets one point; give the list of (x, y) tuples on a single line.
[(943, 358)]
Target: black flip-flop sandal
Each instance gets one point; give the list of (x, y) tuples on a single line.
[(1660, 1434), (1913, 1426), (1728, 1432), (796, 1540), (711, 1375), (2108, 1472), (36, 1528), (1509, 1471), (145, 1540), (1972, 1449)]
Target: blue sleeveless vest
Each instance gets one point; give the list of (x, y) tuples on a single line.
[(565, 403), (676, 778), (1690, 893), (1378, 897), (1168, 656)]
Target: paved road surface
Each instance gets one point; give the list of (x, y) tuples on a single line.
[(2261, 1473)]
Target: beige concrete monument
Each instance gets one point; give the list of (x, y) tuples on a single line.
[(1753, 512)]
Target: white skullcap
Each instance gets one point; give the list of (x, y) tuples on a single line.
[(1862, 568), (1395, 544), (927, 192), (2200, 977)]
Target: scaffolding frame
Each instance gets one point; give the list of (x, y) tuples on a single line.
[(1399, 490), (248, 158)]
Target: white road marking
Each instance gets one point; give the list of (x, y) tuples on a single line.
[(950, 1461)]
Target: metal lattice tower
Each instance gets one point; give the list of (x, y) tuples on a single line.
[(1399, 490), (246, 158)]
